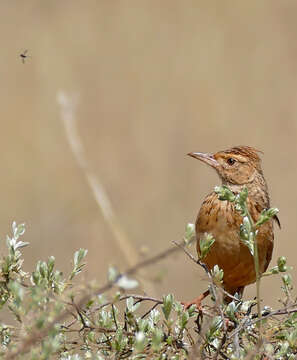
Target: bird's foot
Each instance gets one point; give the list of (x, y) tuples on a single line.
[(197, 301)]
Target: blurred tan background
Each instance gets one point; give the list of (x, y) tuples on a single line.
[(155, 80)]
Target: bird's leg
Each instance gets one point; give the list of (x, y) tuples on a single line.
[(197, 301)]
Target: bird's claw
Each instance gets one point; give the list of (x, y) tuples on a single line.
[(196, 302)]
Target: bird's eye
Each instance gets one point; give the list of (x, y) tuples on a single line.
[(231, 161)]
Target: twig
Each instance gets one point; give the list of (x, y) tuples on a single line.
[(250, 322), (199, 262), (236, 346), (214, 292), (38, 335), (221, 353), (68, 107), (114, 316), (136, 297), (151, 309), (222, 343), (84, 325), (284, 311), (230, 296), (251, 355), (196, 261)]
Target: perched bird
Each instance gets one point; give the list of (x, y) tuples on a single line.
[(237, 167)]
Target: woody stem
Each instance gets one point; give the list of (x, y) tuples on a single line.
[(252, 238)]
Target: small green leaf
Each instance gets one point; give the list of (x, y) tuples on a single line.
[(281, 264), (130, 303), (139, 341), (51, 264), (287, 280), (78, 256), (266, 215), (169, 341), (192, 310), (155, 316), (167, 305), (157, 337), (92, 337), (243, 233), (183, 320), (224, 193), (20, 245), (231, 311), (112, 274), (178, 307), (20, 230), (43, 269), (246, 223), (241, 202), (17, 230), (217, 274), (17, 291), (215, 325), (206, 242), (189, 233), (77, 265)]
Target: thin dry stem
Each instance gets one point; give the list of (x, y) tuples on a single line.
[(38, 335), (68, 107)]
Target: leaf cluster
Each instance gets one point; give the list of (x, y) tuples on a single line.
[(122, 325)]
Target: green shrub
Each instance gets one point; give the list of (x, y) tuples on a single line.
[(52, 321)]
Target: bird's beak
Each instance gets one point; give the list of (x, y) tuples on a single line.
[(205, 157)]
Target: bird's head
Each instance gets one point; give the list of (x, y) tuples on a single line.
[(236, 166)]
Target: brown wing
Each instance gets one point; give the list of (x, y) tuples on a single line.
[(276, 219), (265, 235), (268, 255)]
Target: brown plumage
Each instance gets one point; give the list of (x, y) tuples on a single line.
[(237, 167)]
